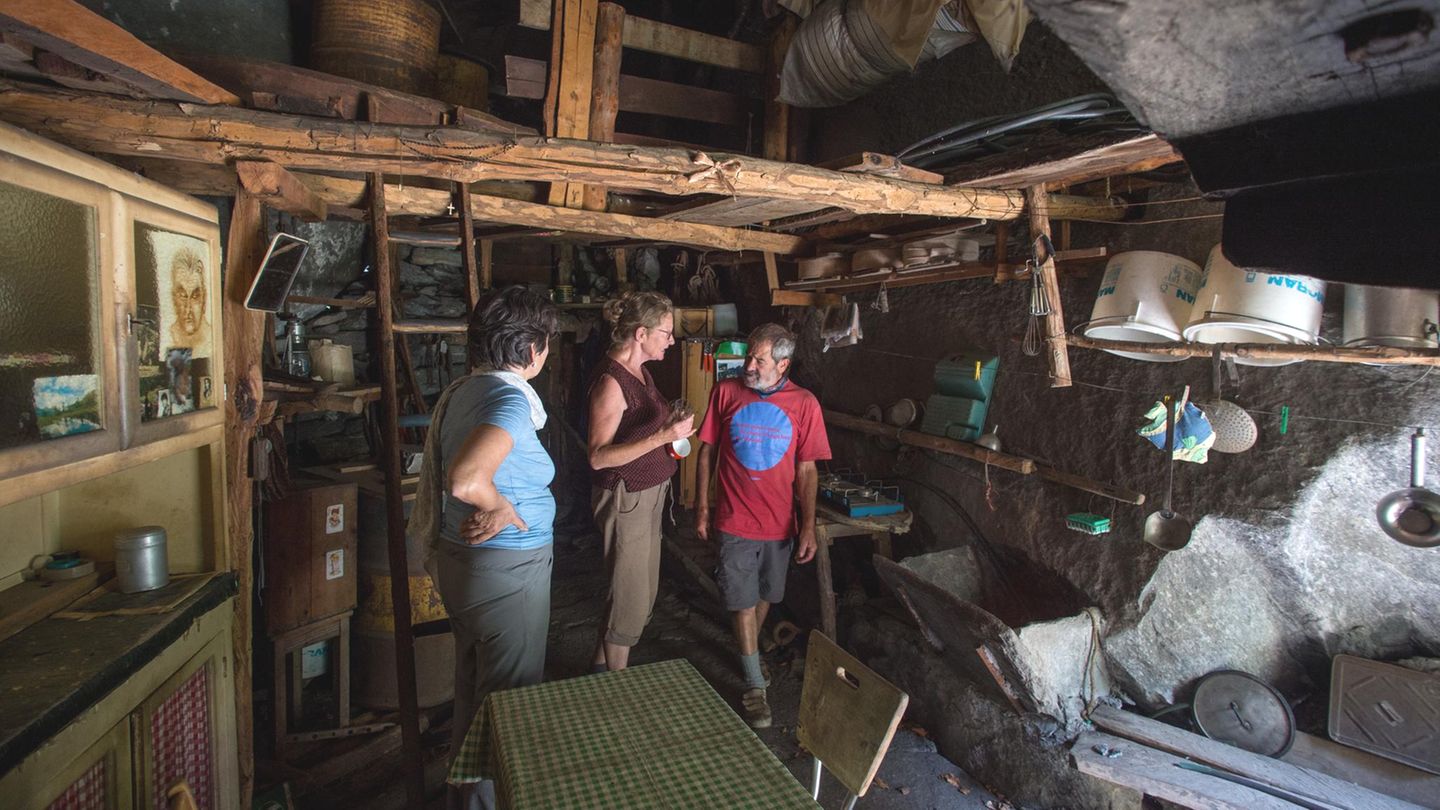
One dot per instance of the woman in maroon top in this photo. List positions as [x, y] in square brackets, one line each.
[631, 428]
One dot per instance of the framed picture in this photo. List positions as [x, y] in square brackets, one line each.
[175, 325]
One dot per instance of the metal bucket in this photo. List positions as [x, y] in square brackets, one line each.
[1145, 296]
[1236, 305]
[1390, 316]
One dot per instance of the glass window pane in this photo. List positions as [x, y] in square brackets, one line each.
[50, 367]
[175, 312]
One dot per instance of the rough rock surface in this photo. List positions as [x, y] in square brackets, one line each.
[1024, 758]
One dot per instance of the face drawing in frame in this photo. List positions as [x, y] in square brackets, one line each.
[182, 286]
[188, 297]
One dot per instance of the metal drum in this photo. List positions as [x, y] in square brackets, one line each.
[1390, 316]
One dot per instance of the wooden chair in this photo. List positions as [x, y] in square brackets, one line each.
[848, 715]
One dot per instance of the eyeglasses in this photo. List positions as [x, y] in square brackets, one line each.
[666, 332]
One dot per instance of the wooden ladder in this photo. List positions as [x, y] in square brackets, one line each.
[392, 324]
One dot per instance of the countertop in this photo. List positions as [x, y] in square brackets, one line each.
[55, 669]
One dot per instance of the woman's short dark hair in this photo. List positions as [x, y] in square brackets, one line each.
[509, 326]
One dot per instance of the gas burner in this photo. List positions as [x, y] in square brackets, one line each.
[857, 496]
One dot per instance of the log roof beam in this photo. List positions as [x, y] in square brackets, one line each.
[86, 39]
[340, 194]
[217, 134]
[281, 190]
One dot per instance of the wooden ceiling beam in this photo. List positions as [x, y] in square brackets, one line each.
[216, 134]
[278, 188]
[339, 194]
[624, 226]
[1127, 157]
[405, 199]
[78, 35]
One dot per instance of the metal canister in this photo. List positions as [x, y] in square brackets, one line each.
[141, 559]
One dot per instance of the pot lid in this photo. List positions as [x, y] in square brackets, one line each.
[1240, 709]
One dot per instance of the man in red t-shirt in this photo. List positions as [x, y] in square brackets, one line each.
[769, 433]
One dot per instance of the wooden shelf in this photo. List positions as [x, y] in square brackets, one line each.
[1016, 464]
[1376, 355]
[20, 487]
[941, 273]
[366, 301]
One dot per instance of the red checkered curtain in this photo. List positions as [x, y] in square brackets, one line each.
[86, 793]
[180, 742]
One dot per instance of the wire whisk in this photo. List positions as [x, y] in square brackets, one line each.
[1039, 308]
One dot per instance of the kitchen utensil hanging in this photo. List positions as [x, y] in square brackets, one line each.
[1167, 529]
[1412, 516]
[1235, 429]
[1039, 300]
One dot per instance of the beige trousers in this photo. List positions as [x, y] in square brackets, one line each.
[630, 524]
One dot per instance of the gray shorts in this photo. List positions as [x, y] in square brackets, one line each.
[752, 570]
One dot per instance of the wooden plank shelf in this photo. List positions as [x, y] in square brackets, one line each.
[424, 239]
[1005, 461]
[431, 326]
[941, 273]
[366, 301]
[1373, 355]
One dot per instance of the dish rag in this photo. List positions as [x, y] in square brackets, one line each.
[1193, 435]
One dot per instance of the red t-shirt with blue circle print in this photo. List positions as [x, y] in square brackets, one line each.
[761, 438]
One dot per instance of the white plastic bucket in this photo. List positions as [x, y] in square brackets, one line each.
[1235, 305]
[1145, 297]
[1390, 316]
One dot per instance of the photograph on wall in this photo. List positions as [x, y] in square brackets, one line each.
[147, 338]
[67, 405]
[180, 381]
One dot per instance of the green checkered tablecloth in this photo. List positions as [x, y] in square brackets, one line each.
[650, 736]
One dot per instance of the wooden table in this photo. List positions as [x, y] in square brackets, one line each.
[654, 735]
[831, 525]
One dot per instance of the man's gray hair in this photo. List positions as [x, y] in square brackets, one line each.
[781, 340]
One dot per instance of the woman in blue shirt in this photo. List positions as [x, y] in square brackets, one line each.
[496, 522]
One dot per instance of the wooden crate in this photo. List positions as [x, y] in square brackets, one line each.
[310, 556]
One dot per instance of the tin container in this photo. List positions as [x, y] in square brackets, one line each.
[141, 559]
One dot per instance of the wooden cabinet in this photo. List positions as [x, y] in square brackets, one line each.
[310, 556]
[111, 416]
[172, 720]
[99, 779]
[109, 321]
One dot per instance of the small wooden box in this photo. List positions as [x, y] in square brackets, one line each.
[310, 556]
[694, 322]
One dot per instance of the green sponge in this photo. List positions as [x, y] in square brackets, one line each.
[1087, 522]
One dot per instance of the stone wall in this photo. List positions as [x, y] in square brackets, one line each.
[1287, 566]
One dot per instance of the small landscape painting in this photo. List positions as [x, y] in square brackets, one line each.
[67, 405]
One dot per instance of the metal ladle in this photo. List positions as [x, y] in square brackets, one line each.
[1412, 516]
[1167, 529]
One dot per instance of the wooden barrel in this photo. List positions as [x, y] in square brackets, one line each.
[390, 43]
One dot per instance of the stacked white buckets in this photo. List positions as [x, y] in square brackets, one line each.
[1144, 297]
[1157, 297]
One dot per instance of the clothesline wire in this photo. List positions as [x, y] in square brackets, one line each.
[1129, 392]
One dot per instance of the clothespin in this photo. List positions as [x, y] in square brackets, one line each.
[1284, 419]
